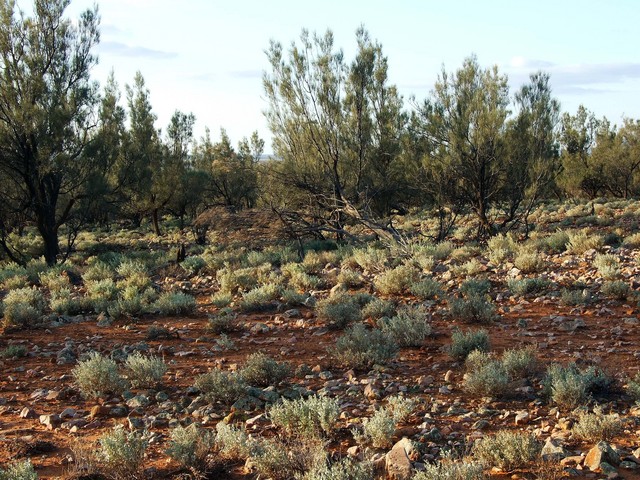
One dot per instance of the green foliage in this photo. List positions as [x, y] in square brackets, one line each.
[123, 453]
[14, 351]
[262, 370]
[400, 407]
[260, 298]
[19, 470]
[379, 308]
[529, 262]
[233, 443]
[190, 446]
[596, 426]
[519, 362]
[345, 469]
[144, 371]
[220, 386]
[506, 450]
[463, 343]
[485, 375]
[408, 328]
[528, 285]
[475, 288]
[574, 297]
[360, 348]
[378, 430]
[397, 280]
[633, 387]
[426, 289]
[569, 387]
[98, 375]
[193, 264]
[174, 303]
[473, 309]
[617, 289]
[448, 470]
[582, 240]
[308, 418]
[338, 310]
[223, 321]
[23, 307]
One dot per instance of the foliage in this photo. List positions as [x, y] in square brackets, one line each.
[19, 470]
[261, 370]
[98, 375]
[23, 307]
[506, 450]
[307, 418]
[220, 386]
[397, 280]
[569, 387]
[190, 447]
[338, 310]
[378, 430]
[122, 453]
[485, 375]
[463, 343]
[345, 469]
[174, 303]
[361, 348]
[596, 426]
[473, 309]
[426, 289]
[144, 371]
[408, 328]
[528, 285]
[449, 470]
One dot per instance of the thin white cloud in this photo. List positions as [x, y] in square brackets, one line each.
[123, 50]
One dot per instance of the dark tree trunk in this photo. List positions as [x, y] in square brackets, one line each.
[156, 223]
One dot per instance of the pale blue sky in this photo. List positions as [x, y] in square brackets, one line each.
[207, 56]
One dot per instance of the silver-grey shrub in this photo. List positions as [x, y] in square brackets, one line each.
[311, 417]
[361, 348]
[221, 386]
[408, 328]
[144, 371]
[98, 375]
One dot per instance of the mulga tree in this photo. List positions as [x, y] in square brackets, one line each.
[47, 107]
[336, 127]
[463, 124]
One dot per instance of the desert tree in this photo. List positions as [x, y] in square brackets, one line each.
[47, 111]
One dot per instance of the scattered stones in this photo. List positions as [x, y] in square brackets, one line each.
[602, 452]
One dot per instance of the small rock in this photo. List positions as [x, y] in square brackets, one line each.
[397, 462]
[425, 381]
[602, 452]
[27, 412]
[552, 450]
[522, 418]
[50, 421]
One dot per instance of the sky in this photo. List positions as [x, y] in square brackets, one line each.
[208, 56]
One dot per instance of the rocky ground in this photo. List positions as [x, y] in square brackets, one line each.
[43, 415]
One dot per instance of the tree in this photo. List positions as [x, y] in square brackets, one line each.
[47, 103]
[336, 128]
[463, 125]
[578, 137]
[532, 164]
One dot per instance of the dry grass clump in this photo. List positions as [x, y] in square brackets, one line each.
[596, 426]
[397, 280]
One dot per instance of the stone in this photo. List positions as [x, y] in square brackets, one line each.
[448, 376]
[355, 452]
[68, 413]
[50, 421]
[522, 418]
[397, 462]
[602, 452]
[480, 424]
[135, 423]
[247, 403]
[98, 411]
[425, 381]
[552, 450]
[66, 356]
[371, 393]
[27, 412]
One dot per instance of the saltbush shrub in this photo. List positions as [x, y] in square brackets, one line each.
[23, 307]
[408, 328]
[338, 311]
[463, 343]
[378, 430]
[174, 303]
[98, 375]
[221, 386]
[473, 309]
[143, 371]
[506, 450]
[396, 280]
[19, 470]
[596, 426]
[123, 453]
[361, 348]
[190, 447]
[312, 417]
[261, 370]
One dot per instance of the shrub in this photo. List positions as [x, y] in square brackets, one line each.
[463, 343]
[338, 311]
[426, 289]
[371, 259]
[97, 272]
[280, 461]
[485, 375]
[378, 430]
[378, 308]
[23, 306]
[350, 278]
[220, 386]
[14, 351]
[174, 303]
[292, 297]
[529, 262]
[223, 321]
[569, 387]
[397, 280]
[193, 265]
[361, 348]
[473, 309]
[632, 241]
[582, 240]
[468, 269]
[345, 469]
[400, 407]
[21, 470]
[233, 443]
[633, 387]
[519, 362]
[506, 450]
[63, 303]
[528, 285]
[144, 371]
[408, 328]
[448, 470]
[260, 298]
[574, 298]
[261, 370]
[221, 299]
[97, 376]
[475, 288]
[596, 426]
[190, 446]
[608, 265]
[54, 280]
[311, 417]
[123, 453]
[557, 242]
[617, 289]
[101, 293]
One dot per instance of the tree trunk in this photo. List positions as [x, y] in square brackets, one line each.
[156, 223]
[49, 234]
